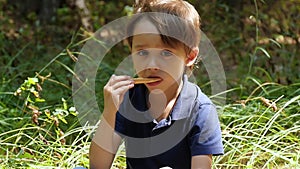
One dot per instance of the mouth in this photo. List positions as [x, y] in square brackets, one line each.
[141, 80]
[155, 83]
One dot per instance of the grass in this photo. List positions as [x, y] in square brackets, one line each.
[38, 153]
[260, 131]
[256, 136]
[256, 133]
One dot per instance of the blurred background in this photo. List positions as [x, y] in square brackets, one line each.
[260, 34]
[258, 42]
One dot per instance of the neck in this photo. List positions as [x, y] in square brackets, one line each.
[161, 102]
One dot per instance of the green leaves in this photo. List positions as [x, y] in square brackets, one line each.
[258, 136]
[32, 81]
[258, 48]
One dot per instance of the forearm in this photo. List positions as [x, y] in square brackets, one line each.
[100, 158]
[105, 135]
[105, 143]
[202, 162]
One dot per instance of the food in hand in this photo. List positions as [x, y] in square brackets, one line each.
[141, 80]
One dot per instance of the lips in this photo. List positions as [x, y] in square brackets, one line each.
[154, 83]
[154, 77]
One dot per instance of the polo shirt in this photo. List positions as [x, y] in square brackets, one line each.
[191, 129]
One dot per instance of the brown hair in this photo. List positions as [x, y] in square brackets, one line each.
[183, 28]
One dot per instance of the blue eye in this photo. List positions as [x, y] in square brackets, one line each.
[142, 53]
[166, 53]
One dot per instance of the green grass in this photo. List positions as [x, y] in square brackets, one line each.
[256, 134]
[39, 153]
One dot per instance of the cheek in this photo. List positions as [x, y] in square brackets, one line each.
[176, 67]
[138, 65]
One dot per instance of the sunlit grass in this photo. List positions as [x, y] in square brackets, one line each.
[261, 131]
[255, 133]
[256, 136]
[41, 153]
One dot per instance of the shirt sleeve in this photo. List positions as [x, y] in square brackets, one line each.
[205, 136]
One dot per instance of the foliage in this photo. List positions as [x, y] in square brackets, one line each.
[257, 33]
[262, 133]
[31, 133]
[256, 41]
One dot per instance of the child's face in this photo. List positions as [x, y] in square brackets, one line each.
[153, 58]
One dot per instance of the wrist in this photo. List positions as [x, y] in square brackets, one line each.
[109, 112]
[109, 115]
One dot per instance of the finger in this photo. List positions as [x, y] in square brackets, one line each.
[123, 89]
[115, 78]
[121, 92]
[110, 80]
[122, 83]
[118, 81]
[115, 88]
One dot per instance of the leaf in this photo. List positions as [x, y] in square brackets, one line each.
[26, 155]
[39, 100]
[62, 119]
[65, 106]
[29, 100]
[263, 50]
[62, 112]
[73, 111]
[48, 114]
[275, 42]
[35, 93]
[33, 81]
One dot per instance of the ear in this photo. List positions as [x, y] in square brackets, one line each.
[192, 56]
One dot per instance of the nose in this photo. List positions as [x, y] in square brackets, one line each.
[152, 63]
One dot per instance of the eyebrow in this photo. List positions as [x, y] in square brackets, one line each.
[138, 46]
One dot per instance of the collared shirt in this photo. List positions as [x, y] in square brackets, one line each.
[191, 129]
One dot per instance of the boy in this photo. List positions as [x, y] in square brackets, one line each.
[168, 122]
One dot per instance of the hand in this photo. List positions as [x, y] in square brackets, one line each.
[114, 92]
